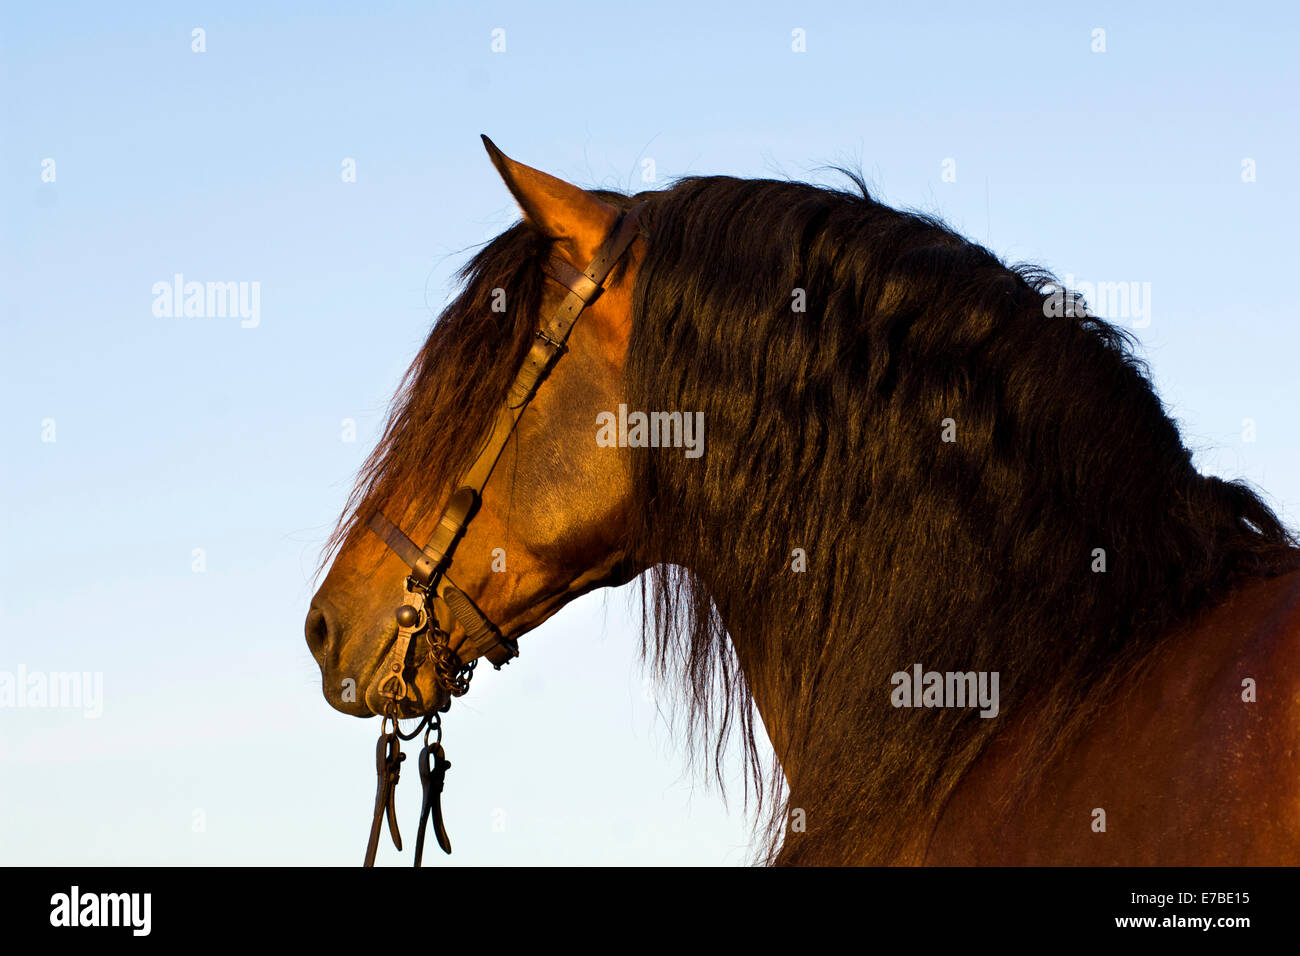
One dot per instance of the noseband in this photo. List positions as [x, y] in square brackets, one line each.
[432, 601]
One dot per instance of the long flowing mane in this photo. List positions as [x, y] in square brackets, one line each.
[824, 434]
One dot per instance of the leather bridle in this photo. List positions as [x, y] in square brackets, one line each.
[432, 602]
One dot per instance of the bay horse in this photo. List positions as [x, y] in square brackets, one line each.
[914, 464]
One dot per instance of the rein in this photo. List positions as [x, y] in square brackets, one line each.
[432, 602]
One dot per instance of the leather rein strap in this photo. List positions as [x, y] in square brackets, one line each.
[429, 565]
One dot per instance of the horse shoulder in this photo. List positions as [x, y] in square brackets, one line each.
[1194, 761]
[1237, 776]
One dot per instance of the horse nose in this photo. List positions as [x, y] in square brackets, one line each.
[319, 633]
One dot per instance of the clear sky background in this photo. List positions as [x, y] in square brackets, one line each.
[172, 434]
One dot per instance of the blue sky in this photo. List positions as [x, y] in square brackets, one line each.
[175, 434]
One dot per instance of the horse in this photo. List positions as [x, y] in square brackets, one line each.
[939, 535]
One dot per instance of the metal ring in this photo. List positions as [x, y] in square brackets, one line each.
[399, 692]
[434, 722]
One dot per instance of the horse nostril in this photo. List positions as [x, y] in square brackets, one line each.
[318, 634]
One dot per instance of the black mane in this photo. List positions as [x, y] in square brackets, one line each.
[824, 433]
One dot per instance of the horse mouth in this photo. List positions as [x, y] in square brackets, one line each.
[420, 691]
[411, 705]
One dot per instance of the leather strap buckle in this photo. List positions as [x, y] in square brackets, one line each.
[559, 346]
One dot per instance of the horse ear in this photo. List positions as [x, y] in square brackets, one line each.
[573, 217]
